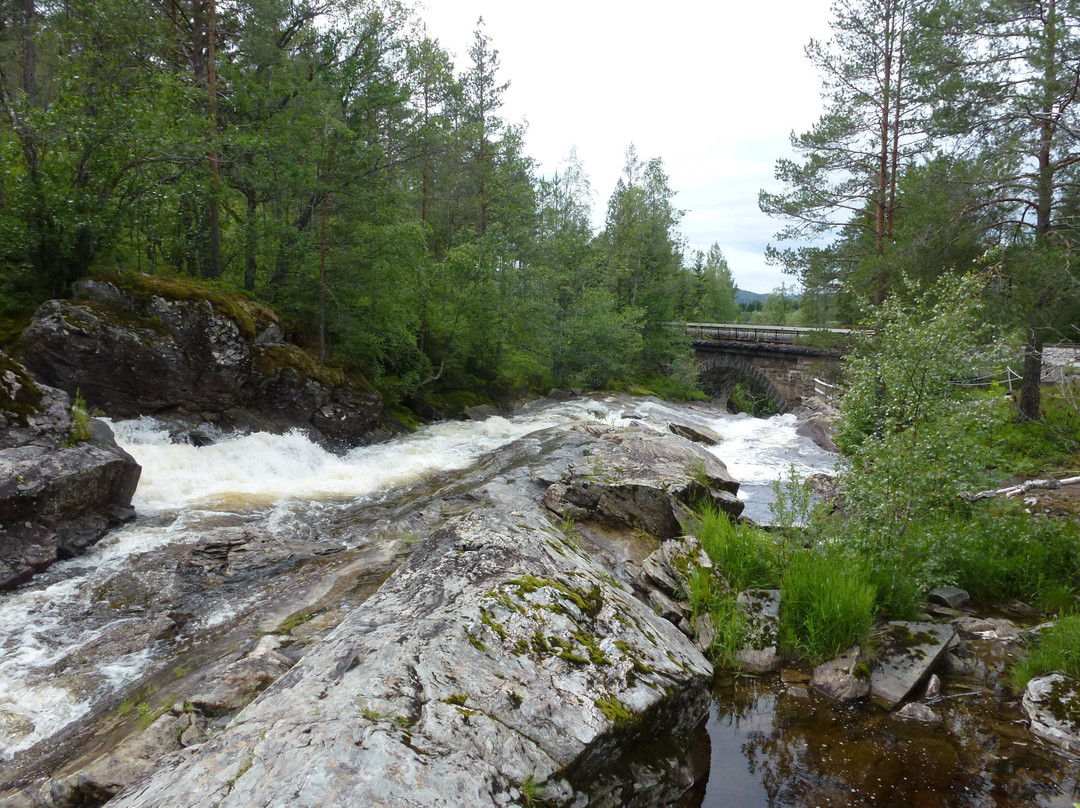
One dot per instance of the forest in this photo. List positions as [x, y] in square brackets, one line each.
[331, 160]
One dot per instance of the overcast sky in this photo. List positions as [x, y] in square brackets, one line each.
[712, 88]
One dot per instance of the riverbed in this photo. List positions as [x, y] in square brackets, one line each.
[234, 537]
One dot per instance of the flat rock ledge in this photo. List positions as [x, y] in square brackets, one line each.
[909, 651]
[499, 653]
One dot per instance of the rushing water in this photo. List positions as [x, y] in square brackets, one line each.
[66, 637]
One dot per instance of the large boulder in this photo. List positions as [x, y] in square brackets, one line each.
[63, 480]
[138, 344]
[493, 657]
[641, 479]
[1052, 703]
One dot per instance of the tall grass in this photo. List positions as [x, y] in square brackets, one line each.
[1056, 650]
[827, 604]
[706, 595]
[744, 555]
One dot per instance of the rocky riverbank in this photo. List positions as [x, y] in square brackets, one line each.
[146, 345]
[516, 649]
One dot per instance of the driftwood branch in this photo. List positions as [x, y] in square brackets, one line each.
[1013, 491]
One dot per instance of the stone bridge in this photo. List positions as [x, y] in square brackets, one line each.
[785, 363]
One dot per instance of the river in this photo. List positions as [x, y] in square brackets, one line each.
[85, 636]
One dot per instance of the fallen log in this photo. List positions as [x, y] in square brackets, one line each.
[1013, 491]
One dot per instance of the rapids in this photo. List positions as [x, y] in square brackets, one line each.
[78, 638]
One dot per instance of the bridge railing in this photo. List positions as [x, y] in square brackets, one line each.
[775, 334]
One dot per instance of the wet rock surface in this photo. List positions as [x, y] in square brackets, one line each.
[62, 485]
[909, 651]
[761, 608]
[845, 678]
[150, 345]
[1052, 704]
[641, 479]
[508, 629]
[496, 653]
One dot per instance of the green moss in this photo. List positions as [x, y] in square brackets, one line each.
[596, 656]
[540, 643]
[456, 401]
[406, 417]
[250, 317]
[619, 715]
[25, 401]
[572, 658]
[515, 699]
[490, 623]
[477, 643]
[457, 699]
[588, 602]
[295, 619]
[270, 359]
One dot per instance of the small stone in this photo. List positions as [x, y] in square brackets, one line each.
[952, 665]
[791, 676]
[798, 692]
[845, 678]
[706, 631]
[952, 596]
[913, 711]
[933, 686]
[759, 660]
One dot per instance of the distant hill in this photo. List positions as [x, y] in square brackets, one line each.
[743, 296]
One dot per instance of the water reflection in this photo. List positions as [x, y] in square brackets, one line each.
[770, 745]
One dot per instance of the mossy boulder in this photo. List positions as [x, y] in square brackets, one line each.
[137, 344]
[63, 484]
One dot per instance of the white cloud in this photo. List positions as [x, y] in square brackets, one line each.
[711, 88]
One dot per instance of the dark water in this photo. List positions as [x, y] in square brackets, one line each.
[769, 744]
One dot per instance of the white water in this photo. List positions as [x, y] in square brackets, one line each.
[182, 485]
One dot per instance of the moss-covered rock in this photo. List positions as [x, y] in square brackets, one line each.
[60, 491]
[19, 396]
[138, 344]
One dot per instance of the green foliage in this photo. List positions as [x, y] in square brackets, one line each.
[747, 397]
[1057, 649]
[532, 792]
[707, 596]
[828, 603]
[999, 552]
[744, 555]
[80, 420]
[910, 440]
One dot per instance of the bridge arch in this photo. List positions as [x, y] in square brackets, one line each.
[720, 372]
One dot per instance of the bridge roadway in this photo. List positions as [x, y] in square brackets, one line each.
[758, 334]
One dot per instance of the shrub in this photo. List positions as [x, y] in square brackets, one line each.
[80, 420]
